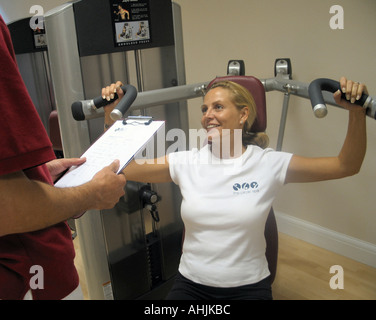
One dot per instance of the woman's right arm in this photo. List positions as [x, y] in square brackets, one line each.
[156, 172]
[108, 93]
[150, 171]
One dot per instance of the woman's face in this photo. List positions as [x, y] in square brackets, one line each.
[219, 113]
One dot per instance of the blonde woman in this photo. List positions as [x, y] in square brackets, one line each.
[226, 200]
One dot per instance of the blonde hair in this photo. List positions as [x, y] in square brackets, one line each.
[241, 97]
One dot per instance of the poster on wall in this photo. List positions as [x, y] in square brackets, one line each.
[39, 34]
[131, 20]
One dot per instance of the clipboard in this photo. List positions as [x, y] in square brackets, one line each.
[122, 141]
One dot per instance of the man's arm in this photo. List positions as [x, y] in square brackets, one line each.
[28, 205]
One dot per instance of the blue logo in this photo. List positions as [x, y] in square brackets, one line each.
[254, 185]
[237, 187]
[246, 187]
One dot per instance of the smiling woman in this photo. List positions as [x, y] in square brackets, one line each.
[226, 202]
[228, 105]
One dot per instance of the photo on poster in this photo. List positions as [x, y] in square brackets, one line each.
[131, 20]
[39, 35]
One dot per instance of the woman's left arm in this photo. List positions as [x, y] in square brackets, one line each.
[350, 159]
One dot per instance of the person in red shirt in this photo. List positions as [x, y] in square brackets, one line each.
[33, 231]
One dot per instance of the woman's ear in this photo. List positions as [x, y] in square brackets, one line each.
[244, 113]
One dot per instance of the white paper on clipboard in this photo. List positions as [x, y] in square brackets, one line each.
[121, 141]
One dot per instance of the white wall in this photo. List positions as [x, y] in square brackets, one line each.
[258, 32]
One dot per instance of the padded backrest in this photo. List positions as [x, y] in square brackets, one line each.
[256, 88]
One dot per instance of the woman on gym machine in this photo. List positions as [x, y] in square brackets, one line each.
[225, 206]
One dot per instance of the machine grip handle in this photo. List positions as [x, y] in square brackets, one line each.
[125, 103]
[99, 102]
[317, 100]
[81, 108]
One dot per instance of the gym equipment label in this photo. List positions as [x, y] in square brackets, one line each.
[131, 19]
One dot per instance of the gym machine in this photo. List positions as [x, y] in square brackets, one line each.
[132, 251]
[127, 252]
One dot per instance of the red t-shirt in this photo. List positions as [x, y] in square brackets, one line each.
[25, 146]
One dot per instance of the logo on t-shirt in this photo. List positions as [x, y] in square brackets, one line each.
[244, 188]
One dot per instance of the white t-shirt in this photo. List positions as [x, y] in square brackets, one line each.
[225, 206]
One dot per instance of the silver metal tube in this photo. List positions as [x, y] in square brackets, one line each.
[168, 95]
[158, 97]
[296, 88]
[67, 79]
[154, 98]
[140, 79]
[300, 89]
[282, 124]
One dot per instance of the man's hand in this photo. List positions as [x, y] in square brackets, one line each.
[108, 186]
[58, 166]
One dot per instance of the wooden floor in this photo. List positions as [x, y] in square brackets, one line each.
[303, 273]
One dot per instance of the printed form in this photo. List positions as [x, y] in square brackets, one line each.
[120, 142]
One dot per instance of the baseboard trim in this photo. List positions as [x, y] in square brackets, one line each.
[340, 243]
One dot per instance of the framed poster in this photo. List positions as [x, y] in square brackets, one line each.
[39, 33]
[131, 21]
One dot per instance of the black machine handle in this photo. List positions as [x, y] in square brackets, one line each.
[81, 108]
[317, 100]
